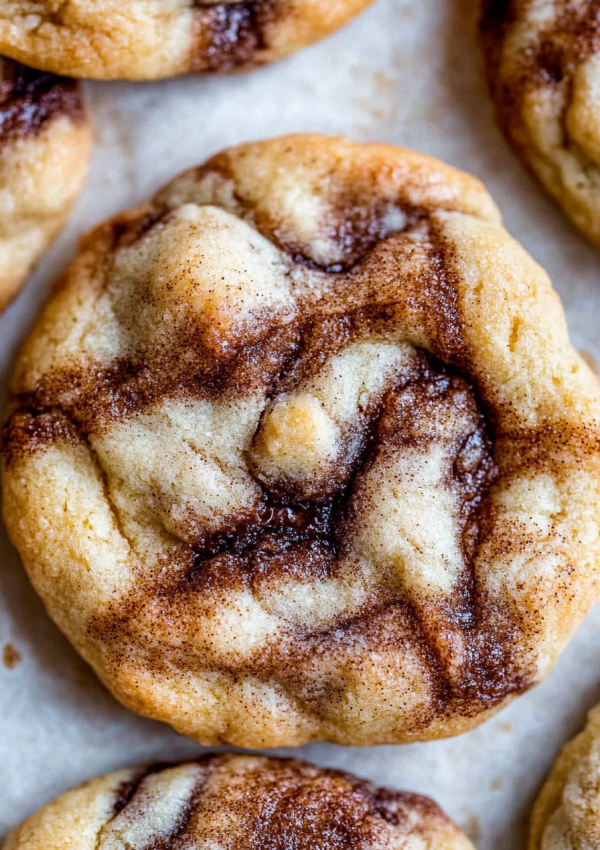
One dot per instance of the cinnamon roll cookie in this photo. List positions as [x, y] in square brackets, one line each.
[566, 815]
[149, 39]
[234, 802]
[300, 450]
[44, 148]
[543, 59]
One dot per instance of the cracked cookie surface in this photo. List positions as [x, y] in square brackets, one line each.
[238, 802]
[44, 150]
[543, 61]
[150, 39]
[566, 815]
[300, 450]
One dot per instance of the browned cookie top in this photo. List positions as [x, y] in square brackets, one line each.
[543, 61]
[239, 803]
[30, 99]
[300, 449]
[44, 148]
[107, 39]
[566, 815]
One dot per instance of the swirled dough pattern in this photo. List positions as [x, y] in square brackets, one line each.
[44, 150]
[566, 815]
[543, 61]
[300, 450]
[234, 802]
[149, 39]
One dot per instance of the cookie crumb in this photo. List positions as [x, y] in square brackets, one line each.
[11, 656]
[472, 828]
[383, 81]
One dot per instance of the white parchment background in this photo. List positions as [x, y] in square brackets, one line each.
[406, 72]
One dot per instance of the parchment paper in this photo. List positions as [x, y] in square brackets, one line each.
[407, 72]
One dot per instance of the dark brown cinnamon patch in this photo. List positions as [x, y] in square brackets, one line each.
[572, 39]
[126, 790]
[31, 429]
[229, 35]
[30, 99]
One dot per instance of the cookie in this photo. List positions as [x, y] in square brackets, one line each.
[44, 150]
[543, 62]
[238, 802]
[150, 39]
[566, 815]
[300, 450]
